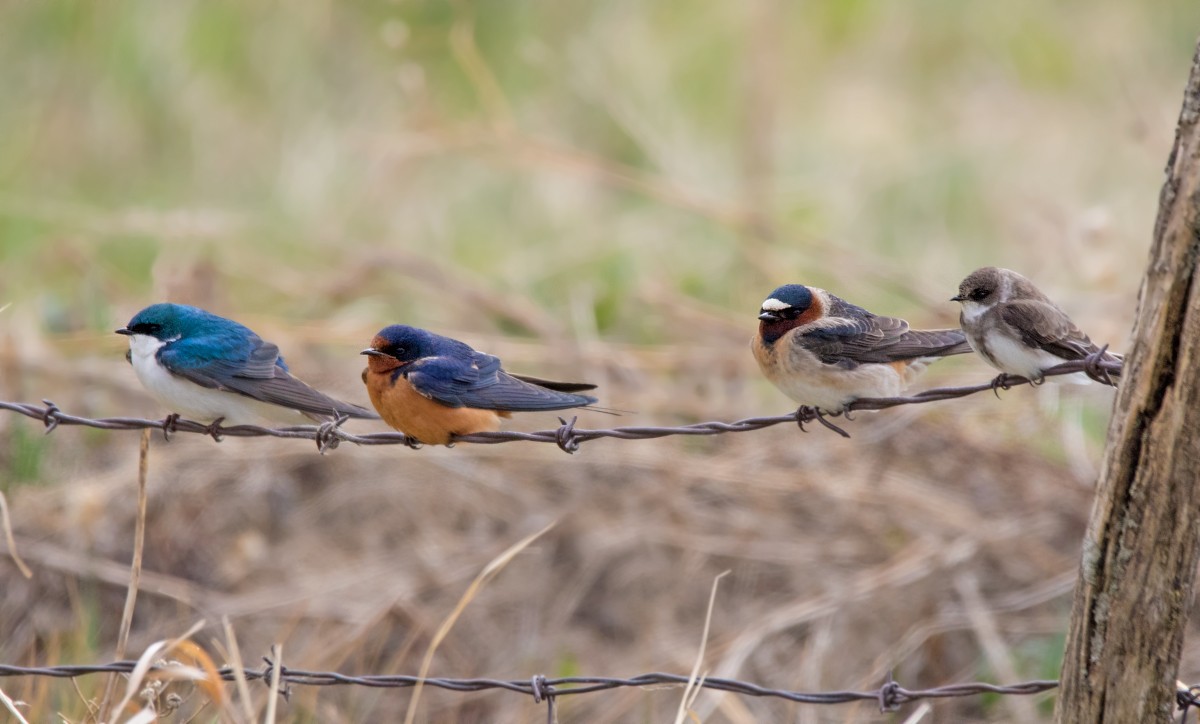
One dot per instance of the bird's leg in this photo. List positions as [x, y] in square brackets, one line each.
[825, 421]
[808, 413]
[412, 442]
[168, 425]
[214, 428]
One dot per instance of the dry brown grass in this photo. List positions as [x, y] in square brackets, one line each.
[921, 545]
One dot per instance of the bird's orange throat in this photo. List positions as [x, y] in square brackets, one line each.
[382, 364]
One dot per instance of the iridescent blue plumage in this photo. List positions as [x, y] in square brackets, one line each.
[205, 366]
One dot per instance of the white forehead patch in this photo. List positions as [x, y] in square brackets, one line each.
[774, 305]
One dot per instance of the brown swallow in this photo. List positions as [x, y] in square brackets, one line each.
[1016, 328]
[825, 352]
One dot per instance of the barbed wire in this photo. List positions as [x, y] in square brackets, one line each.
[890, 696]
[1099, 366]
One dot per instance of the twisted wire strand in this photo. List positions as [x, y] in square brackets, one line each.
[1099, 366]
[889, 696]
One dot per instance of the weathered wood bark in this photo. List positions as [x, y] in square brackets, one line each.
[1141, 548]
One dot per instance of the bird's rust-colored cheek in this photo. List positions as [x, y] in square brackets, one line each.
[815, 311]
[769, 332]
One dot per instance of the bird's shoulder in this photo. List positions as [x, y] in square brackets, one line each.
[845, 328]
[239, 353]
[459, 369]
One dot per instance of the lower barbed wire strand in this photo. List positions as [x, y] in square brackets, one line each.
[564, 686]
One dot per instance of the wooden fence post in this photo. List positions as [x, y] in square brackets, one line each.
[1140, 552]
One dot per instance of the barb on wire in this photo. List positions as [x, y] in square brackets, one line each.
[1186, 697]
[889, 696]
[327, 436]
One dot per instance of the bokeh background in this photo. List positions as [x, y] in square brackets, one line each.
[602, 191]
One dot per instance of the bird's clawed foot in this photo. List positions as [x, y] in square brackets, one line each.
[808, 413]
[168, 425]
[1003, 381]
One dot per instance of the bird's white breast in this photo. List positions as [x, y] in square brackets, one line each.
[193, 401]
[1014, 357]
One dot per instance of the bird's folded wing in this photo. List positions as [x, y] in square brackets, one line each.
[482, 384]
[851, 341]
[1045, 326]
[260, 376]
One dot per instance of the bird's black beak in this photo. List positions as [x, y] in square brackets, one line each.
[769, 316]
[372, 352]
[957, 298]
[123, 330]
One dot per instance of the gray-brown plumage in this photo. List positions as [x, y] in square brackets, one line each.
[825, 352]
[1015, 327]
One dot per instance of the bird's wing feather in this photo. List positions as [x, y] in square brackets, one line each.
[554, 384]
[481, 383]
[255, 370]
[1045, 326]
[868, 338]
[211, 360]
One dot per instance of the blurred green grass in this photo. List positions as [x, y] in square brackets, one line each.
[549, 147]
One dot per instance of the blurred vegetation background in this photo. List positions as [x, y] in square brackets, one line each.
[595, 190]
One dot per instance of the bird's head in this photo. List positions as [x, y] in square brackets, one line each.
[788, 307]
[982, 288]
[167, 322]
[397, 346]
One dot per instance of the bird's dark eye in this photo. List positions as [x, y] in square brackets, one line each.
[398, 350]
[146, 328]
[979, 295]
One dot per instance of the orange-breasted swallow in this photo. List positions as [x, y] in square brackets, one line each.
[431, 387]
[825, 352]
[1016, 328]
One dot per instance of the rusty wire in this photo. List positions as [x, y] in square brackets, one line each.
[1099, 366]
[890, 696]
